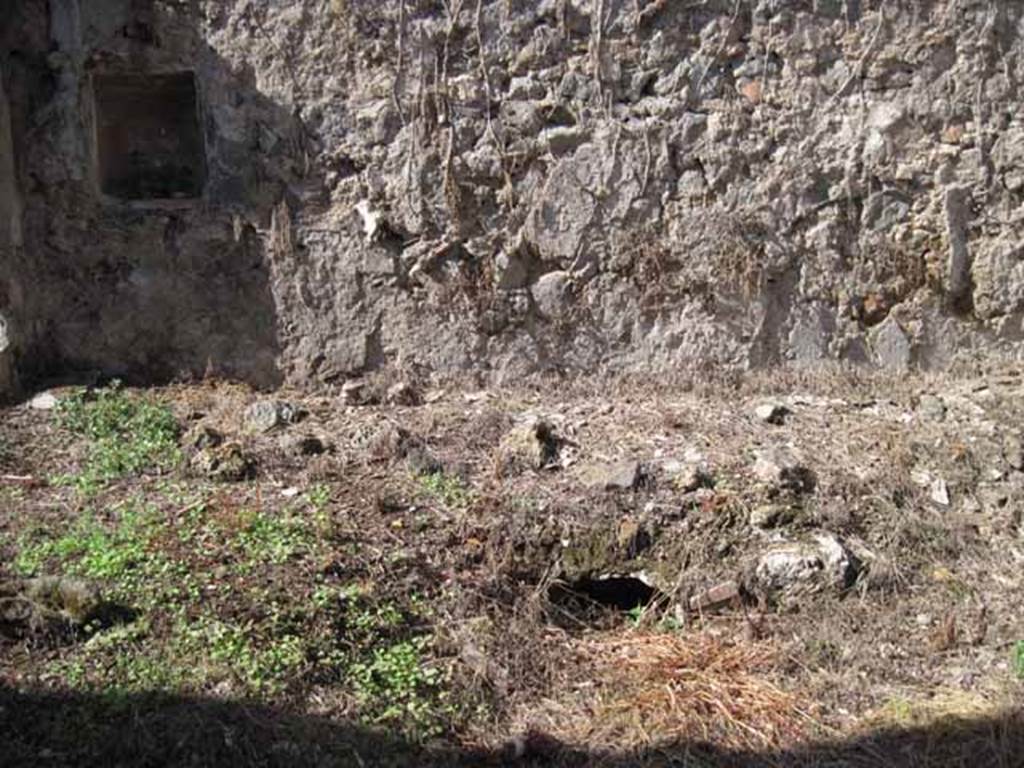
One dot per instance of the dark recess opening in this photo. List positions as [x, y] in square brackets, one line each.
[148, 139]
[622, 593]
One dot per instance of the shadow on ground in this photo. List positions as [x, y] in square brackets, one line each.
[58, 729]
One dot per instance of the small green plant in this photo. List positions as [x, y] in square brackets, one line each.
[385, 660]
[670, 624]
[319, 496]
[31, 553]
[377, 617]
[128, 435]
[1018, 659]
[325, 596]
[259, 667]
[394, 685]
[89, 548]
[449, 490]
[275, 538]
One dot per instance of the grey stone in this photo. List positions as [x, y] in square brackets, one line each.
[510, 273]
[268, 415]
[931, 408]
[551, 292]
[625, 476]
[822, 562]
[563, 140]
[403, 393]
[306, 445]
[781, 569]
[938, 492]
[722, 594]
[530, 445]
[891, 346]
[782, 468]
[1008, 157]
[564, 208]
[771, 413]
[1013, 450]
[771, 515]
[958, 266]
[526, 87]
[223, 463]
[44, 401]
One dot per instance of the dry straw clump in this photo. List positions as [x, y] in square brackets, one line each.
[667, 688]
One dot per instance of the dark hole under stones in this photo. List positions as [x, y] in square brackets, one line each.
[620, 593]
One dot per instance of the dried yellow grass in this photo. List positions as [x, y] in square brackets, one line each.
[651, 689]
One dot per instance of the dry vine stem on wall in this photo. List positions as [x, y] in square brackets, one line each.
[499, 143]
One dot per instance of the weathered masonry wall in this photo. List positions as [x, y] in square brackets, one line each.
[328, 187]
[142, 257]
[10, 240]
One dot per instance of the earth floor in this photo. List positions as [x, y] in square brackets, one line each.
[784, 570]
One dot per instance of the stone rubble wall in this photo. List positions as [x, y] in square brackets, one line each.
[10, 241]
[513, 186]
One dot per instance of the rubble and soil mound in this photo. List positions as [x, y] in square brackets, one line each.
[567, 573]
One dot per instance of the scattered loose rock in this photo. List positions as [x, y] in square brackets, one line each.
[268, 415]
[725, 593]
[44, 401]
[550, 293]
[46, 603]
[200, 437]
[403, 393]
[938, 489]
[782, 468]
[938, 492]
[625, 476]
[225, 463]
[306, 445]
[822, 562]
[354, 392]
[688, 476]
[931, 408]
[771, 515]
[772, 413]
[530, 445]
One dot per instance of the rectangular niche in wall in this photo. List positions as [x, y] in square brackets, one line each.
[149, 145]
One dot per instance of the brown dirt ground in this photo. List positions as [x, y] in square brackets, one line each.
[912, 665]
